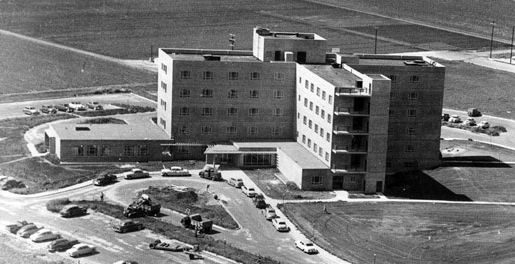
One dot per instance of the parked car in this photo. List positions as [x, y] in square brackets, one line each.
[484, 124]
[94, 106]
[73, 210]
[44, 235]
[77, 106]
[445, 117]
[455, 119]
[137, 174]
[270, 213]
[306, 246]
[249, 191]
[125, 262]
[63, 108]
[30, 229]
[80, 249]
[473, 112]
[280, 225]
[124, 226]
[175, 171]
[48, 109]
[15, 227]
[236, 182]
[470, 121]
[105, 179]
[61, 244]
[30, 110]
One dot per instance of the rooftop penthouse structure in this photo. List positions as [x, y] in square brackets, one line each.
[356, 117]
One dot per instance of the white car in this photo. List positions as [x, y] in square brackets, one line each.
[484, 124]
[455, 119]
[80, 249]
[270, 213]
[30, 110]
[280, 225]
[306, 246]
[249, 191]
[137, 174]
[175, 171]
[236, 182]
[77, 106]
[44, 235]
[470, 121]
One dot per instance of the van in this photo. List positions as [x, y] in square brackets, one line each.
[236, 182]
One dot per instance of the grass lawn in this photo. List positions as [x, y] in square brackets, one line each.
[197, 202]
[172, 231]
[409, 232]
[266, 180]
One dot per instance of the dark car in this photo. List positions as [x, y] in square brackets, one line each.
[15, 227]
[61, 244]
[105, 179]
[63, 108]
[48, 109]
[127, 226]
[73, 210]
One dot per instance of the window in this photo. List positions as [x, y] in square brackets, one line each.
[252, 131]
[327, 156]
[255, 76]
[414, 78]
[207, 75]
[329, 119]
[300, 79]
[304, 139]
[254, 94]
[311, 106]
[409, 148]
[306, 84]
[323, 95]
[142, 150]
[393, 78]
[278, 76]
[91, 150]
[231, 130]
[322, 132]
[185, 75]
[105, 150]
[413, 96]
[128, 150]
[164, 67]
[328, 137]
[232, 94]
[278, 94]
[206, 130]
[316, 128]
[412, 112]
[305, 120]
[233, 76]
[411, 131]
[162, 122]
[316, 180]
[312, 88]
[298, 115]
[309, 143]
[184, 111]
[184, 130]
[318, 91]
[315, 147]
[257, 159]
[163, 104]
[359, 84]
[330, 99]
[253, 111]
[207, 111]
[317, 109]
[163, 86]
[322, 114]
[185, 93]
[278, 112]
[299, 98]
[206, 93]
[232, 111]
[276, 131]
[320, 151]
[310, 124]
[305, 102]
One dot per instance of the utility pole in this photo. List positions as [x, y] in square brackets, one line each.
[375, 40]
[511, 47]
[232, 41]
[492, 38]
[151, 55]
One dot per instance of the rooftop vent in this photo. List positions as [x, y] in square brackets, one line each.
[415, 62]
[82, 129]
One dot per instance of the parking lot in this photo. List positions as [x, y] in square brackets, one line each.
[11, 110]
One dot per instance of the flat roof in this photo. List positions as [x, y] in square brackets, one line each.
[206, 57]
[73, 131]
[338, 77]
[395, 60]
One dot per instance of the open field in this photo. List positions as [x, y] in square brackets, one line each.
[409, 232]
[28, 66]
[467, 15]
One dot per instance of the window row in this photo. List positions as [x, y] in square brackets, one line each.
[232, 75]
[316, 148]
[104, 150]
[231, 111]
[209, 93]
[412, 78]
[318, 129]
[251, 131]
[318, 91]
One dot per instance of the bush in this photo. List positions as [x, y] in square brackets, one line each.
[292, 186]
[499, 129]
[57, 204]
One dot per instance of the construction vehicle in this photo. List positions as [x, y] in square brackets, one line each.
[141, 207]
[211, 172]
[195, 221]
[259, 201]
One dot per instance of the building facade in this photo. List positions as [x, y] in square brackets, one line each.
[359, 116]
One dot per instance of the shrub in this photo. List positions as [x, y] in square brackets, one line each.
[292, 186]
[57, 204]
[499, 129]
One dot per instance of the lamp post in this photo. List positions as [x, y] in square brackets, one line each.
[511, 47]
[375, 40]
[492, 38]
[375, 255]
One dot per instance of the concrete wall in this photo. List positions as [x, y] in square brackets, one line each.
[167, 78]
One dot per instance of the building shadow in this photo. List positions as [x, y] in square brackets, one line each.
[473, 161]
[419, 185]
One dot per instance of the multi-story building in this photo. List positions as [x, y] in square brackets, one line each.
[358, 116]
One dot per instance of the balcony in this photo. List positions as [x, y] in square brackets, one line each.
[349, 169]
[352, 91]
[344, 130]
[349, 149]
[349, 111]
